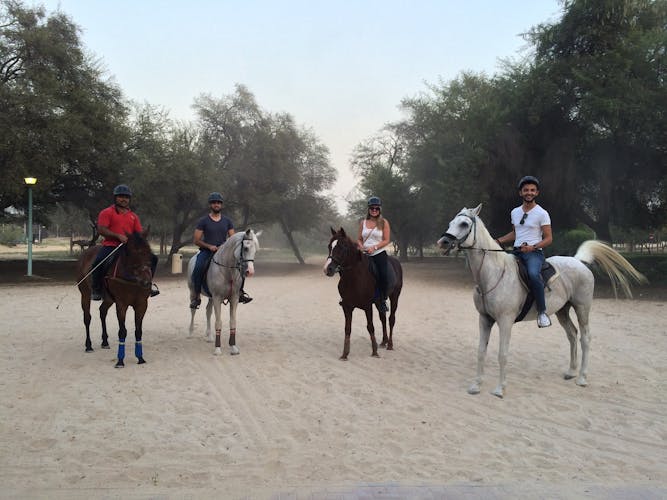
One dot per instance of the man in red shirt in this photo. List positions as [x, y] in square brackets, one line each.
[115, 223]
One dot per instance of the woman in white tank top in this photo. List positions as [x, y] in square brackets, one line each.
[374, 236]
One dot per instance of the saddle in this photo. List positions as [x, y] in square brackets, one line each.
[548, 273]
[391, 276]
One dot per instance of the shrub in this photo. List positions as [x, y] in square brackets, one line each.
[10, 235]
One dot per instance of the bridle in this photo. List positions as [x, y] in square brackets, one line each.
[339, 265]
[476, 275]
[241, 263]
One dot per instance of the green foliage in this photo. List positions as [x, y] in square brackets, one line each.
[10, 235]
[567, 242]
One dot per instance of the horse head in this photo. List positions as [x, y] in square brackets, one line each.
[460, 230]
[341, 251]
[136, 260]
[247, 250]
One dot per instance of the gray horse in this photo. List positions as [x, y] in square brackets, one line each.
[229, 265]
[500, 292]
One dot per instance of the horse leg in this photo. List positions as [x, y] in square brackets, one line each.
[121, 311]
[232, 327]
[485, 324]
[564, 319]
[191, 329]
[139, 313]
[217, 303]
[85, 306]
[582, 318]
[209, 312]
[505, 327]
[347, 310]
[383, 320]
[392, 322]
[371, 329]
[104, 308]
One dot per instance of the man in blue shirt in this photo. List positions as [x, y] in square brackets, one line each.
[211, 232]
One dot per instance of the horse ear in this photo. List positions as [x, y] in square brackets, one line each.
[247, 232]
[333, 231]
[342, 232]
[259, 233]
[477, 210]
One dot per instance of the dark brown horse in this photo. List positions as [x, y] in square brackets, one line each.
[127, 282]
[357, 287]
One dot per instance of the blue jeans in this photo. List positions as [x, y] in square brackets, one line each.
[203, 257]
[533, 262]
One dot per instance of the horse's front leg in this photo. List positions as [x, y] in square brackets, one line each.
[371, 329]
[139, 312]
[392, 322]
[233, 304]
[217, 305]
[347, 310]
[104, 308]
[121, 311]
[485, 324]
[505, 327]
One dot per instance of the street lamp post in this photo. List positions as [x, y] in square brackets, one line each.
[30, 182]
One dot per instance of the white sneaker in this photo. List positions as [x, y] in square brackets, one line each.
[543, 320]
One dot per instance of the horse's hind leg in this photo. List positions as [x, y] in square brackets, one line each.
[564, 319]
[385, 338]
[585, 333]
[233, 349]
[392, 322]
[209, 311]
[104, 308]
[371, 330]
[85, 306]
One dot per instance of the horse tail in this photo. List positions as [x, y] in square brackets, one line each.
[619, 270]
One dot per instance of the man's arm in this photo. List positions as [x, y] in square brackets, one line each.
[197, 240]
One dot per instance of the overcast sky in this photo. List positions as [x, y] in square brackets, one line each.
[339, 68]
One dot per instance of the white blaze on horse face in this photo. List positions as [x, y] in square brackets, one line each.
[328, 261]
[251, 269]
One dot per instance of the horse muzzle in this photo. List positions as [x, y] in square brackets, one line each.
[447, 242]
[330, 267]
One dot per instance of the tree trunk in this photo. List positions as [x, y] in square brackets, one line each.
[290, 239]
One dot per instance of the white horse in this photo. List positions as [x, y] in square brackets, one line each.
[232, 261]
[500, 292]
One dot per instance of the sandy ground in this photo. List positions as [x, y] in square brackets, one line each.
[287, 419]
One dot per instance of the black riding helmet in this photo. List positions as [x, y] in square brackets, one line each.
[374, 200]
[528, 179]
[122, 190]
[215, 196]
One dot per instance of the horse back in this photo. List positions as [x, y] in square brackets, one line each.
[86, 260]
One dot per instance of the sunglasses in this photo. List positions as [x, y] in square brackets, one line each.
[373, 208]
[523, 219]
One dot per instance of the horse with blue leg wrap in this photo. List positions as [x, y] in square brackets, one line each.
[127, 283]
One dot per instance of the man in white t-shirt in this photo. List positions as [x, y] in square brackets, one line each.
[531, 233]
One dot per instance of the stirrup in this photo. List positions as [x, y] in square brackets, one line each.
[154, 290]
[194, 304]
[244, 298]
[96, 295]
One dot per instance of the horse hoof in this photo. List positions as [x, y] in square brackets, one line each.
[90, 349]
[141, 361]
[343, 358]
[390, 347]
[498, 392]
[568, 376]
[217, 351]
[120, 364]
[105, 346]
[233, 350]
[581, 382]
[375, 355]
[473, 389]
